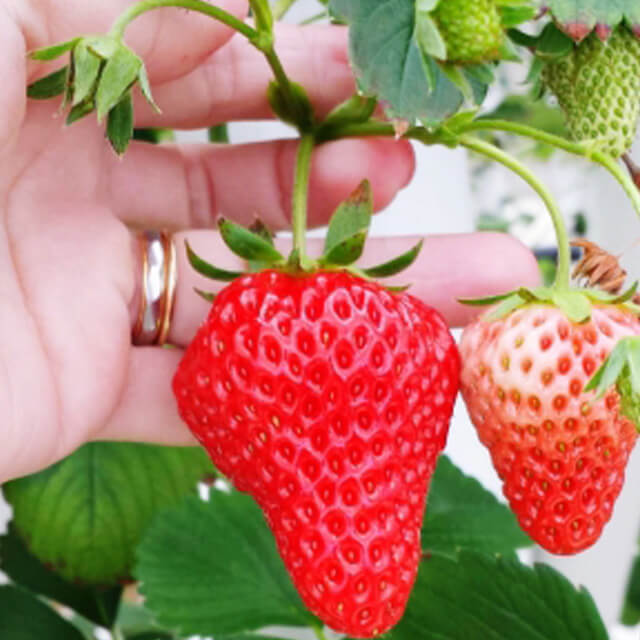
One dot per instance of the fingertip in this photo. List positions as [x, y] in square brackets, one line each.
[339, 167]
[517, 265]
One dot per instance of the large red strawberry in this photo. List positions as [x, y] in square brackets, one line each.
[560, 450]
[327, 397]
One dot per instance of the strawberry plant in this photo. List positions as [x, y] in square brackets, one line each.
[323, 395]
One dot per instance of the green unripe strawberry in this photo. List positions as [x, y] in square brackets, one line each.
[598, 87]
[471, 29]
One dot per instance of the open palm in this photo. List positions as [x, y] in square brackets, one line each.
[68, 266]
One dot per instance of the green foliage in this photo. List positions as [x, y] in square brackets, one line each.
[223, 574]
[84, 516]
[410, 82]
[24, 617]
[23, 568]
[462, 514]
[479, 597]
[631, 609]
[579, 17]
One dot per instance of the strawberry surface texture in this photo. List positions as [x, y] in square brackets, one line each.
[598, 87]
[560, 452]
[328, 399]
[471, 29]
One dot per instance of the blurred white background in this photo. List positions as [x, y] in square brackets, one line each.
[440, 200]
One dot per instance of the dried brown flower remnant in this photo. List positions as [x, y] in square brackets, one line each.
[600, 269]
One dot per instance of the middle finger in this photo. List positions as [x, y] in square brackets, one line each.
[232, 83]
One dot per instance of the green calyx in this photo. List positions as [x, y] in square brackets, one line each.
[621, 368]
[344, 245]
[575, 303]
[100, 76]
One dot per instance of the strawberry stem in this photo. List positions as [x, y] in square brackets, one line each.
[300, 199]
[564, 256]
[126, 18]
[579, 149]
[261, 38]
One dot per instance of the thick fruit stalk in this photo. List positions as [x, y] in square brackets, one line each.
[598, 87]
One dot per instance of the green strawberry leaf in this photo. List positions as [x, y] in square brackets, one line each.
[151, 635]
[480, 597]
[50, 86]
[462, 514]
[86, 71]
[223, 575]
[396, 265]
[208, 270]
[489, 300]
[24, 617]
[579, 17]
[349, 227]
[631, 609]
[24, 569]
[54, 51]
[410, 83]
[248, 245]
[120, 72]
[120, 124]
[85, 515]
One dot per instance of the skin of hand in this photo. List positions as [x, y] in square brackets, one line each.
[68, 270]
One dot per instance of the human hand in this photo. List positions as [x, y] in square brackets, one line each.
[69, 274]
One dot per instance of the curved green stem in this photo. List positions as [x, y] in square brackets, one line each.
[300, 198]
[564, 255]
[576, 148]
[125, 19]
[261, 38]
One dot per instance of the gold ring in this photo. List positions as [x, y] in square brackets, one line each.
[157, 289]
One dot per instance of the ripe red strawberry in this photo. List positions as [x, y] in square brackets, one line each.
[560, 452]
[328, 399]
